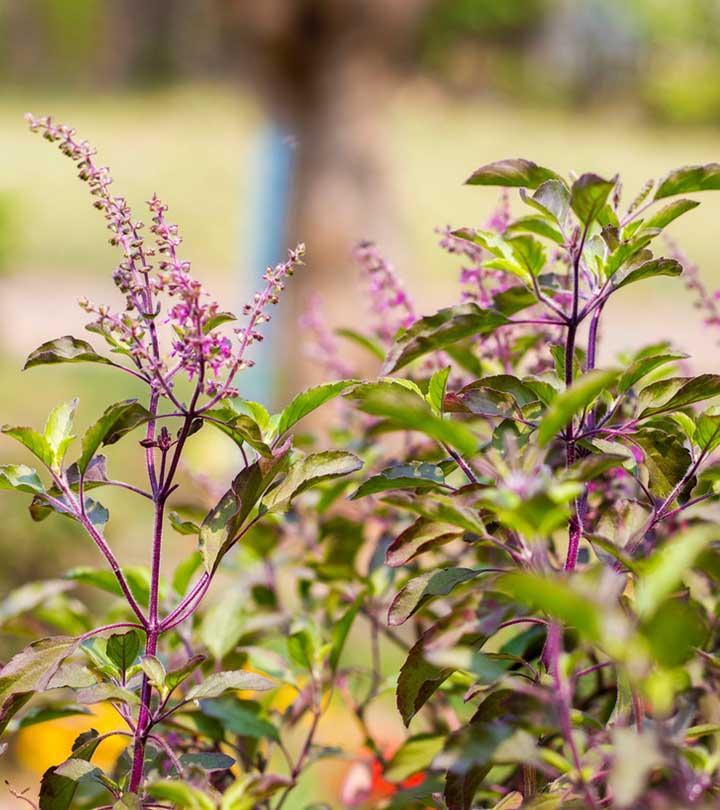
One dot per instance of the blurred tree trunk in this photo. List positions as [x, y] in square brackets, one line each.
[325, 69]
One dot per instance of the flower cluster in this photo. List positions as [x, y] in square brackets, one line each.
[322, 345]
[195, 346]
[704, 300]
[389, 302]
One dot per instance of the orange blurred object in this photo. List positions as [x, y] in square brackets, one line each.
[46, 744]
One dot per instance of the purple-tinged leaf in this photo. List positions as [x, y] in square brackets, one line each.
[424, 588]
[512, 172]
[65, 349]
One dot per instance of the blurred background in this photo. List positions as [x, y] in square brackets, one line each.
[326, 121]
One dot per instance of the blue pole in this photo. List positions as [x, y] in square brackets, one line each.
[266, 245]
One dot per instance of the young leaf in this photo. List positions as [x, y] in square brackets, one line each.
[310, 400]
[64, 350]
[101, 692]
[510, 173]
[573, 400]
[116, 421]
[58, 431]
[123, 649]
[436, 389]
[35, 442]
[240, 427]
[20, 478]
[588, 196]
[552, 198]
[154, 668]
[687, 179]
[220, 682]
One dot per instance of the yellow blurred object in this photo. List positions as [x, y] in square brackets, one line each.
[38, 747]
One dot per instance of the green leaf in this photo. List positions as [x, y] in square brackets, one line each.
[513, 172]
[32, 669]
[241, 718]
[130, 801]
[155, 670]
[668, 213]
[687, 179]
[588, 196]
[58, 431]
[435, 332]
[414, 474]
[123, 649]
[572, 401]
[551, 198]
[413, 756]
[341, 630]
[436, 389]
[207, 761]
[373, 346]
[418, 681]
[223, 523]
[310, 400]
[48, 713]
[537, 225]
[307, 472]
[100, 692]
[20, 478]
[184, 572]
[64, 350]
[177, 676]
[407, 411]
[181, 794]
[651, 269]
[35, 442]
[678, 392]
[664, 570]
[422, 589]
[117, 420]
[218, 320]
[528, 253]
[56, 791]
[643, 366]
[220, 682]
[240, 427]
[666, 458]
[707, 430]
[185, 527]
[423, 535]
[557, 599]
[137, 576]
